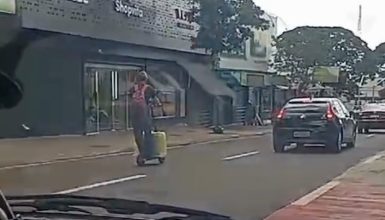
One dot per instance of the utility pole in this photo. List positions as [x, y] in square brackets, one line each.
[359, 24]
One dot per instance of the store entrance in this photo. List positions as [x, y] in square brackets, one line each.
[106, 97]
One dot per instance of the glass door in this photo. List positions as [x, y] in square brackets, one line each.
[120, 106]
[91, 101]
[104, 80]
[97, 100]
[107, 97]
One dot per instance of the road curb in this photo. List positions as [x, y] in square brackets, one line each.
[131, 151]
[363, 162]
[318, 192]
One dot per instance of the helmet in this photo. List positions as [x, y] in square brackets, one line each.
[142, 76]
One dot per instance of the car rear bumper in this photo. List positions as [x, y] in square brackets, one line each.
[317, 136]
[371, 124]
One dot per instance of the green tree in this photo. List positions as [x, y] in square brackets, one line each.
[225, 25]
[380, 49]
[380, 55]
[300, 49]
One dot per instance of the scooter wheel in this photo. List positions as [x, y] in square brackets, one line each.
[140, 161]
[161, 160]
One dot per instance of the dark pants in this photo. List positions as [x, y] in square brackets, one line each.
[143, 136]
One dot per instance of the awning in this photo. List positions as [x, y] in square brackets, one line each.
[202, 74]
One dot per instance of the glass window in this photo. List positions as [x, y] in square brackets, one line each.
[241, 53]
[257, 49]
[167, 78]
[266, 99]
[307, 108]
[169, 103]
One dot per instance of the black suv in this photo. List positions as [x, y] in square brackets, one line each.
[314, 121]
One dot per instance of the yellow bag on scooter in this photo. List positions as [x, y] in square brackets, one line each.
[160, 140]
[135, 147]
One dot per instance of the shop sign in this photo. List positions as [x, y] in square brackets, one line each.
[128, 9]
[184, 19]
[79, 1]
[183, 15]
[8, 6]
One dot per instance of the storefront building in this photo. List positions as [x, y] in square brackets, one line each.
[82, 59]
[247, 72]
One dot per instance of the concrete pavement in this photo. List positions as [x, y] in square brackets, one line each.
[16, 152]
[248, 187]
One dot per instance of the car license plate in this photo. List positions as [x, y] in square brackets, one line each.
[301, 134]
[374, 116]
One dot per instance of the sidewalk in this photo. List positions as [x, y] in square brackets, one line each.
[357, 194]
[36, 150]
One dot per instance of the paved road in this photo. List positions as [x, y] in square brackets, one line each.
[208, 177]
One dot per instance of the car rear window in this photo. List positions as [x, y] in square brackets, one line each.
[307, 108]
[307, 102]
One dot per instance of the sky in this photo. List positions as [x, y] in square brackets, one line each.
[330, 13]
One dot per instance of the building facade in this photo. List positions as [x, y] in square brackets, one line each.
[247, 72]
[82, 57]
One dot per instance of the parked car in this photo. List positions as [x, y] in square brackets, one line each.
[371, 116]
[323, 121]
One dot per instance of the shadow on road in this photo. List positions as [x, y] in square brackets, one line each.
[312, 150]
[382, 132]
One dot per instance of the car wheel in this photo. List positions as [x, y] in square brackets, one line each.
[360, 130]
[366, 130]
[279, 147]
[335, 146]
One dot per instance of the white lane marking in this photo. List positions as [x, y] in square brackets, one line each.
[369, 135]
[96, 185]
[315, 194]
[241, 155]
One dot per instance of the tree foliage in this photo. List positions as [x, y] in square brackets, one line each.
[225, 25]
[380, 54]
[302, 48]
[380, 49]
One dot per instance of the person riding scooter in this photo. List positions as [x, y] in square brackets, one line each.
[142, 93]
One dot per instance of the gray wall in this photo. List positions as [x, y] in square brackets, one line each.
[52, 103]
[158, 27]
[51, 71]
[9, 25]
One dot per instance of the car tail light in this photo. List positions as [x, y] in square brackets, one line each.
[330, 115]
[281, 114]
